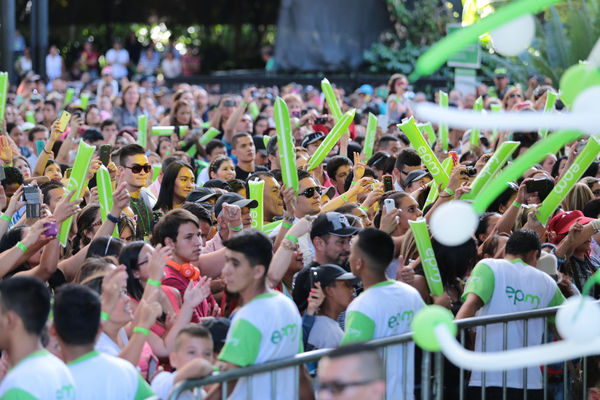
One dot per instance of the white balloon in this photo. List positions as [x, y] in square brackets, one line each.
[453, 223]
[515, 36]
[588, 101]
[579, 319]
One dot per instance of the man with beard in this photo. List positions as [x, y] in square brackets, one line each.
[330, 234]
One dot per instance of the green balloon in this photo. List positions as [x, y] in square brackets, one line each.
[424, 323]
[576, 79]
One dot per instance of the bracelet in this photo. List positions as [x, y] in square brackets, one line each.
[143, 331]
[47, 152]
[113, 219]
[353, 183]
[244, 104]
[343, 196]
[236, 228]
[5, 217]
[286, 225]
[517, 204]
[104, 316]
[449, 191]
[291, 238]
[365, 209]
[153, 282]
[22, 247]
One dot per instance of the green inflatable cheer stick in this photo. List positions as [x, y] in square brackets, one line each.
[156, 171]
[210, 134]
[77, 181]
[3, 92]
[496, 108]
[551, 98]
[30, 117]
[370, 137]
[535, 154]
[105, 194]
[417, 141]
[571, 176]
[257, 188]
[85, 98]
[332, 102]
[443, 129]
[491, 168]
[270, 227]
[142, 133]
[331, 139]
[266, 140]
[287, 153]
[168, 130]
[434, 191]
[428, 261]
[474, 139]
[440, 52]
[427, 129]
[68, 97]
[254, 111]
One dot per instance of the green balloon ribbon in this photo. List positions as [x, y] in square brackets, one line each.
[287, 153]
[417, 141]
[474, 138]
[551, 98]
[535, 154]
[496, 108]
[440, 52]
[30, 117]
[434, 191]
[3, 93]
[105, 194]
[256, 189]
[442, 128]
[571, 176]
[77, 181]
[427, 129]
[210, 134]
[331, 139]
[370, 137]
[428, 261]
[491, 168]
[168, 130]
[85, 98]
[332, 102]
[142, 132]
[68, 97]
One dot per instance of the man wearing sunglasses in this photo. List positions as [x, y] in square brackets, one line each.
[134, 169]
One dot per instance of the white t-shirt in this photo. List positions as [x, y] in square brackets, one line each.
[99, 376]
[40, 375]
[268, 328]
[506, 287]
[118, 61]
[53, 66]
[325, 333]
[386, 309]
[106, 345]
[163, 383]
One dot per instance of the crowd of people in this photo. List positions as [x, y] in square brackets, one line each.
[174, 283]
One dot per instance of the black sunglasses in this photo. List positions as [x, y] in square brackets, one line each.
[513, 95]
[310, 192]
[136, 168]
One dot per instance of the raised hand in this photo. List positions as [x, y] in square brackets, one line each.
[120, 199]
[6, 150]
[359, 167]
[289, 199]
[65, 208]
[196, 293]
[315, 299]
[158, 260]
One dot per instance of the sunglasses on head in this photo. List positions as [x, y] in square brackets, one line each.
[136, 168]
[310, 192]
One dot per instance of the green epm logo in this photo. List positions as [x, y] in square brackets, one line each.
[518, 296]
[290, 330]
[396, 319]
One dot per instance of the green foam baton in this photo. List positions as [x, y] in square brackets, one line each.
[535, 154]
[142, 133]
[210, 134]
[442, 128]
[331, 139]
[3, 92]
[474, 138]
[420, 145]
[571, 176]
[68, 97]
[254, 111]
[105, 194]
[287, 153]
[440, 52]
[496, 108]
[491, 168]
[370, 137]
[266, 140]
[257, 188]
[77, 181]
[427, 129]
[30, 117]
[332, 102]
[434, 191]
[270, 227]
[551, 98]
[428, 261]
[85, 98]
[168, 130]
[156, 171]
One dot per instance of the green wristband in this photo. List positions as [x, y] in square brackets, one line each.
[5, 217]
[104, 316]
[22, 247]
[449, 191]
[244, 104]
[237, 228]
[143, 331]
[365, 209]
[353, 183]
[517, 204]
[153, 282]
[343, 196]
[291, 238]
[286, 225]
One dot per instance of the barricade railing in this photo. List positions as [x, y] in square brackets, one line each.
[431, 382]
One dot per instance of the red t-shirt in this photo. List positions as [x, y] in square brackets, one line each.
[176, 280]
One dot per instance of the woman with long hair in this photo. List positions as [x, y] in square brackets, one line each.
[178, 182]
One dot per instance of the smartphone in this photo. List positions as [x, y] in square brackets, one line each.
[390, 205]
[68, 173]
[65, 117]
[388, 184]
[105, 154]
[33, 206]
[313, 277]
[320, 121]
[541, 185]
[39, 146]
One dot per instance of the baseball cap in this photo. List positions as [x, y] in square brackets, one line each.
[311, 138]
[218, 328]
[324, 274]
[327, 273]
[332, 223]
[561, 222]
[500, 72]
[366, 89]
[200, 195]
[415, 176]
[234, 199]
[259, 144]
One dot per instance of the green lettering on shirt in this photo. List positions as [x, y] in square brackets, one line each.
[242, 345]
[518, 296]
[359, 328]
[290, 330]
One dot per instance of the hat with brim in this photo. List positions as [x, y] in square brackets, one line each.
[201, 195]
[415, 175]
[234, 199]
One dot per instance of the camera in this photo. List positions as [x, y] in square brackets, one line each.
[320, 121]
[471, 171]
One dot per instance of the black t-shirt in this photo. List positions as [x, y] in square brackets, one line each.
[243, 175]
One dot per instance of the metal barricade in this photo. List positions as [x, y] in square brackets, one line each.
[432, 379]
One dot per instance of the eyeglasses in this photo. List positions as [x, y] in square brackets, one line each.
[596, 193]
[136, 168]
[310, 192]
[336, 387]
[513, 95]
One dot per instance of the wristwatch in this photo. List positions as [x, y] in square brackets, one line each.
[289, 220]
[113, 219]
